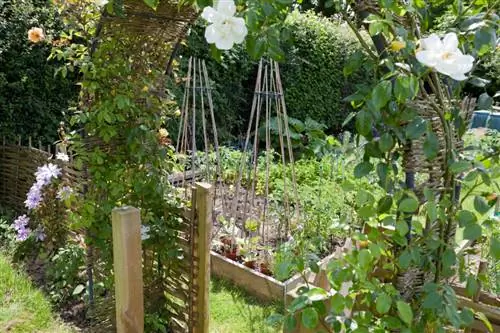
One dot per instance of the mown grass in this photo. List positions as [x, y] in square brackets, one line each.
[23, 308]
[233, 311]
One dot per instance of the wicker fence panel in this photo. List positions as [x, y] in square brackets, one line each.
[17, 167]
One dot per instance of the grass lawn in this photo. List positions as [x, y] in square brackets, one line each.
[232, 311]
[23, 308]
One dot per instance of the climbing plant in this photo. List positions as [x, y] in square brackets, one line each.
[399, 276]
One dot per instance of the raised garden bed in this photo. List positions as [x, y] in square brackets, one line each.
[255, 283]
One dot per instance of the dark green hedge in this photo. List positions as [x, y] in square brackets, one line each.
[32, 100]
[312, 74]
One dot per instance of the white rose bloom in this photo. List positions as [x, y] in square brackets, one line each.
[101, 3]
[445, 56]
[225, 29]
[62, 157]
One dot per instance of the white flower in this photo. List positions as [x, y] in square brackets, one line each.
[225, 30]
[64, 193]
[445, 56]
[62, 157]
[101, 3]
[144, 232]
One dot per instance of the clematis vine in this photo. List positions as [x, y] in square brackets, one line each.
[21, 227]
[45, 173]
[445, 56]
[225, 29]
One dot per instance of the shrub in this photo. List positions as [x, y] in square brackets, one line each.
[313, 76]
[32, 99]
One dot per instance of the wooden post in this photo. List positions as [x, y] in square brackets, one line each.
[204, 213]
[127, 257]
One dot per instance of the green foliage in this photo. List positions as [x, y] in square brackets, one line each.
[65, 271]
[32, 100]
[307, 138]
[312, 75]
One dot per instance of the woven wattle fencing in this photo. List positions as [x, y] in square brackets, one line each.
[185, 281]
[18, 164]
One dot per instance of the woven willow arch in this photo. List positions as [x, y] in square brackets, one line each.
[146, 39]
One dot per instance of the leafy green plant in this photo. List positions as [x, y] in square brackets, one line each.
[308, 138]
[66, 273]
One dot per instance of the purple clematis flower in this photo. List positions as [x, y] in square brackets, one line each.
[45, 173]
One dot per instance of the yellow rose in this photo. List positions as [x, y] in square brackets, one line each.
[163, 133]
[397, 45]
[36, 35]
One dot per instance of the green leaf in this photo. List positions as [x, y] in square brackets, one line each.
[460, 166]
[383, 303]
[472, 231]
[310, 318]
[365, 258]
[484, 102]
[317, 294]
[431, 146]
[432, 301]
[405, 312]
[375, 28]
[152, 3]
[386, 142]
[408, 205]
[337, 303]
[406, 87]
[362, 169]
[495, 248]
[256, 46]
[402, 227]
[471, 286]
[354, 63]
[275, 319]
[405, 259]
[481, 316]
[366, 211]
[485, 40]
[381, 95]
[481, 205]
[364, 123]
[290, 323]
[467, 316]
[466, 217]
[384, 204]
[416, 128]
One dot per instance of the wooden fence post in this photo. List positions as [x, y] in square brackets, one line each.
[204, 202]
[127, 257]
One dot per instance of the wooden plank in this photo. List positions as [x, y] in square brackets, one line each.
[127, 258]
[491, 312]
[262, 286]
[484, 298]
[204, 202]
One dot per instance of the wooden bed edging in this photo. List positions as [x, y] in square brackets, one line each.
[264, 287]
